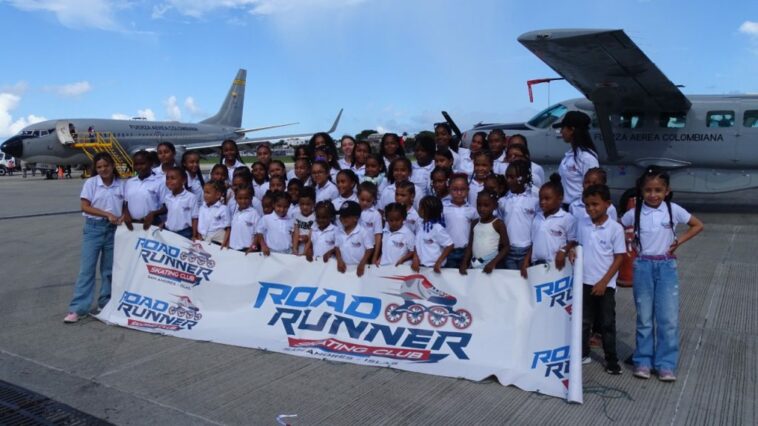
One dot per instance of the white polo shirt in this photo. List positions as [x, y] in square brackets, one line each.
[106, 198]
[337, 202]
[143, 195]
[196, 188]
[460, 158]
[579, 210]
[230, 170]
[600, 244]
[572, 170]
[517, 211]
[277, 232]
[182, 208]
[244, 223]
[656, 235]
[396, 244]
[328, 192]
[499, 167]
[371, 220]
[359, 171]
[421, 177]
[431, 243]
[412, 221]
[388, 195]
[551, 234]
[323, 240]
[213, 218]
[538, 175]
[260, 189]
[354, 245]
[458, 222]
[474, 188]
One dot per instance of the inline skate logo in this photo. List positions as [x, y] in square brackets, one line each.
[184, 308]
[195, 253]
[416, 291]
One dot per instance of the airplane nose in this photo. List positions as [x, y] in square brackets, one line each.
[13, 147]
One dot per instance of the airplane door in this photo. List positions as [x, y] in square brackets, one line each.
[63, 133]
[747, 134]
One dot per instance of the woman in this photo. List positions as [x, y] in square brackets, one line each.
[575, 130]
[347, 145]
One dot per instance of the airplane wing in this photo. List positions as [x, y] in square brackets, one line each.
[608, 68]
[258, 129]
[258, 140]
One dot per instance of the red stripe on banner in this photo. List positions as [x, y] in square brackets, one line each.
[142, 324]
[171, 273]
[334, 345]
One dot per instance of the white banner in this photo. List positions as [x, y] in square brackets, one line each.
[474, 326]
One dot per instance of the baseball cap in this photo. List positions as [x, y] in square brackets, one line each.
[349, 208]
[574, 119]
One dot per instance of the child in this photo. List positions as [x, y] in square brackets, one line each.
[361, 153]
[399, 171]
[390, 148]
[182, 209]
[482, 169]
[267, 203]
[303, 220]
[244, 223]
[478, 144]
[371, 219]
[553, 230]
[263, 154]
[423, 166]
[496, 142]
[458, 214]
[375, 172]
[443, 158]
[440, 178]
[347, 146]
[274, 233]
[230, 158]
[242, 179]
[517, 209]
[353, 243]
[594, 176]
[433, 243]
[656, 284]
[322, 233]
[302, 171]
[404, 195]
[488, 240]
[219, 174]
[398, 242]
[260, 179]
[294, 186]
[276, 183]
[604, 249]
[166, 152]
[102, 201]
[143, 194]
[443, 139]
[324, 154]
[325, 189]
[516, 152]
[277, 168]
[213, 219]
[195, 181]
[537, 171]
[346, 181]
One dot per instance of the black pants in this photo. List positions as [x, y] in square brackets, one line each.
[604, 308]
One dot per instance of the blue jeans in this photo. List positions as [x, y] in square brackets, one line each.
[455, 258]
[514, 258]
[97, 242]
[656, 297]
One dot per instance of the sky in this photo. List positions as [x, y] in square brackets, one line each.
[393, 65]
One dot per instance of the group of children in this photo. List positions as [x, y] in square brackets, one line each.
[488, 207]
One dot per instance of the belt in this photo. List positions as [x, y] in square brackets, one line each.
[657, 257]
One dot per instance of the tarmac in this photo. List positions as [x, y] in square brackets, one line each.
[130, 377]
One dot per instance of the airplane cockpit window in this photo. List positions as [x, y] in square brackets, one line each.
[630, 120]
[720, 119]
[750, 118]
[548, 116]
[675, 120]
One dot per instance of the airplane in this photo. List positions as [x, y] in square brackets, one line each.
[52, 141]
[708, 143]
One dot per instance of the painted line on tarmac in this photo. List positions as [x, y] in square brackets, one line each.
[27, 216]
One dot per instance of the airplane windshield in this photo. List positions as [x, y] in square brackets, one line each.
[548, 116]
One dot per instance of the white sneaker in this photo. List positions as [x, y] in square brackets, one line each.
[586, 360]
[71, 318]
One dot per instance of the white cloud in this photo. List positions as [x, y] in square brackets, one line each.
[9, 102]
[199, 8]
[146, 113]
[97, 14]
[172, 109]
[120, 116]
[191, 106]
[71, 89]
[750, 28]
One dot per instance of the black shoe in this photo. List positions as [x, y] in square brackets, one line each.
[613, 368]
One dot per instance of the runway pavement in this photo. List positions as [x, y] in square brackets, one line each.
[130, 377]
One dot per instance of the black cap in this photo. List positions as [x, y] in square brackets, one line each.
[349, 208]
[574, 119]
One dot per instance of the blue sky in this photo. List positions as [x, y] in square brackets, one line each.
[393, 65]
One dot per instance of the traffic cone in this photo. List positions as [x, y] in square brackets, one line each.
[626, 272]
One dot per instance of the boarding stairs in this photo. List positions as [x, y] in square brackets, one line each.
[92, 143]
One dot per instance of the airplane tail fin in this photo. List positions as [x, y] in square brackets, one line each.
[230, 113]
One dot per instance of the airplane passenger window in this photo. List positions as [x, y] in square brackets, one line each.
[720, 119]
[548, 116]
[630, 120]
[750, 118]
[673, 120]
